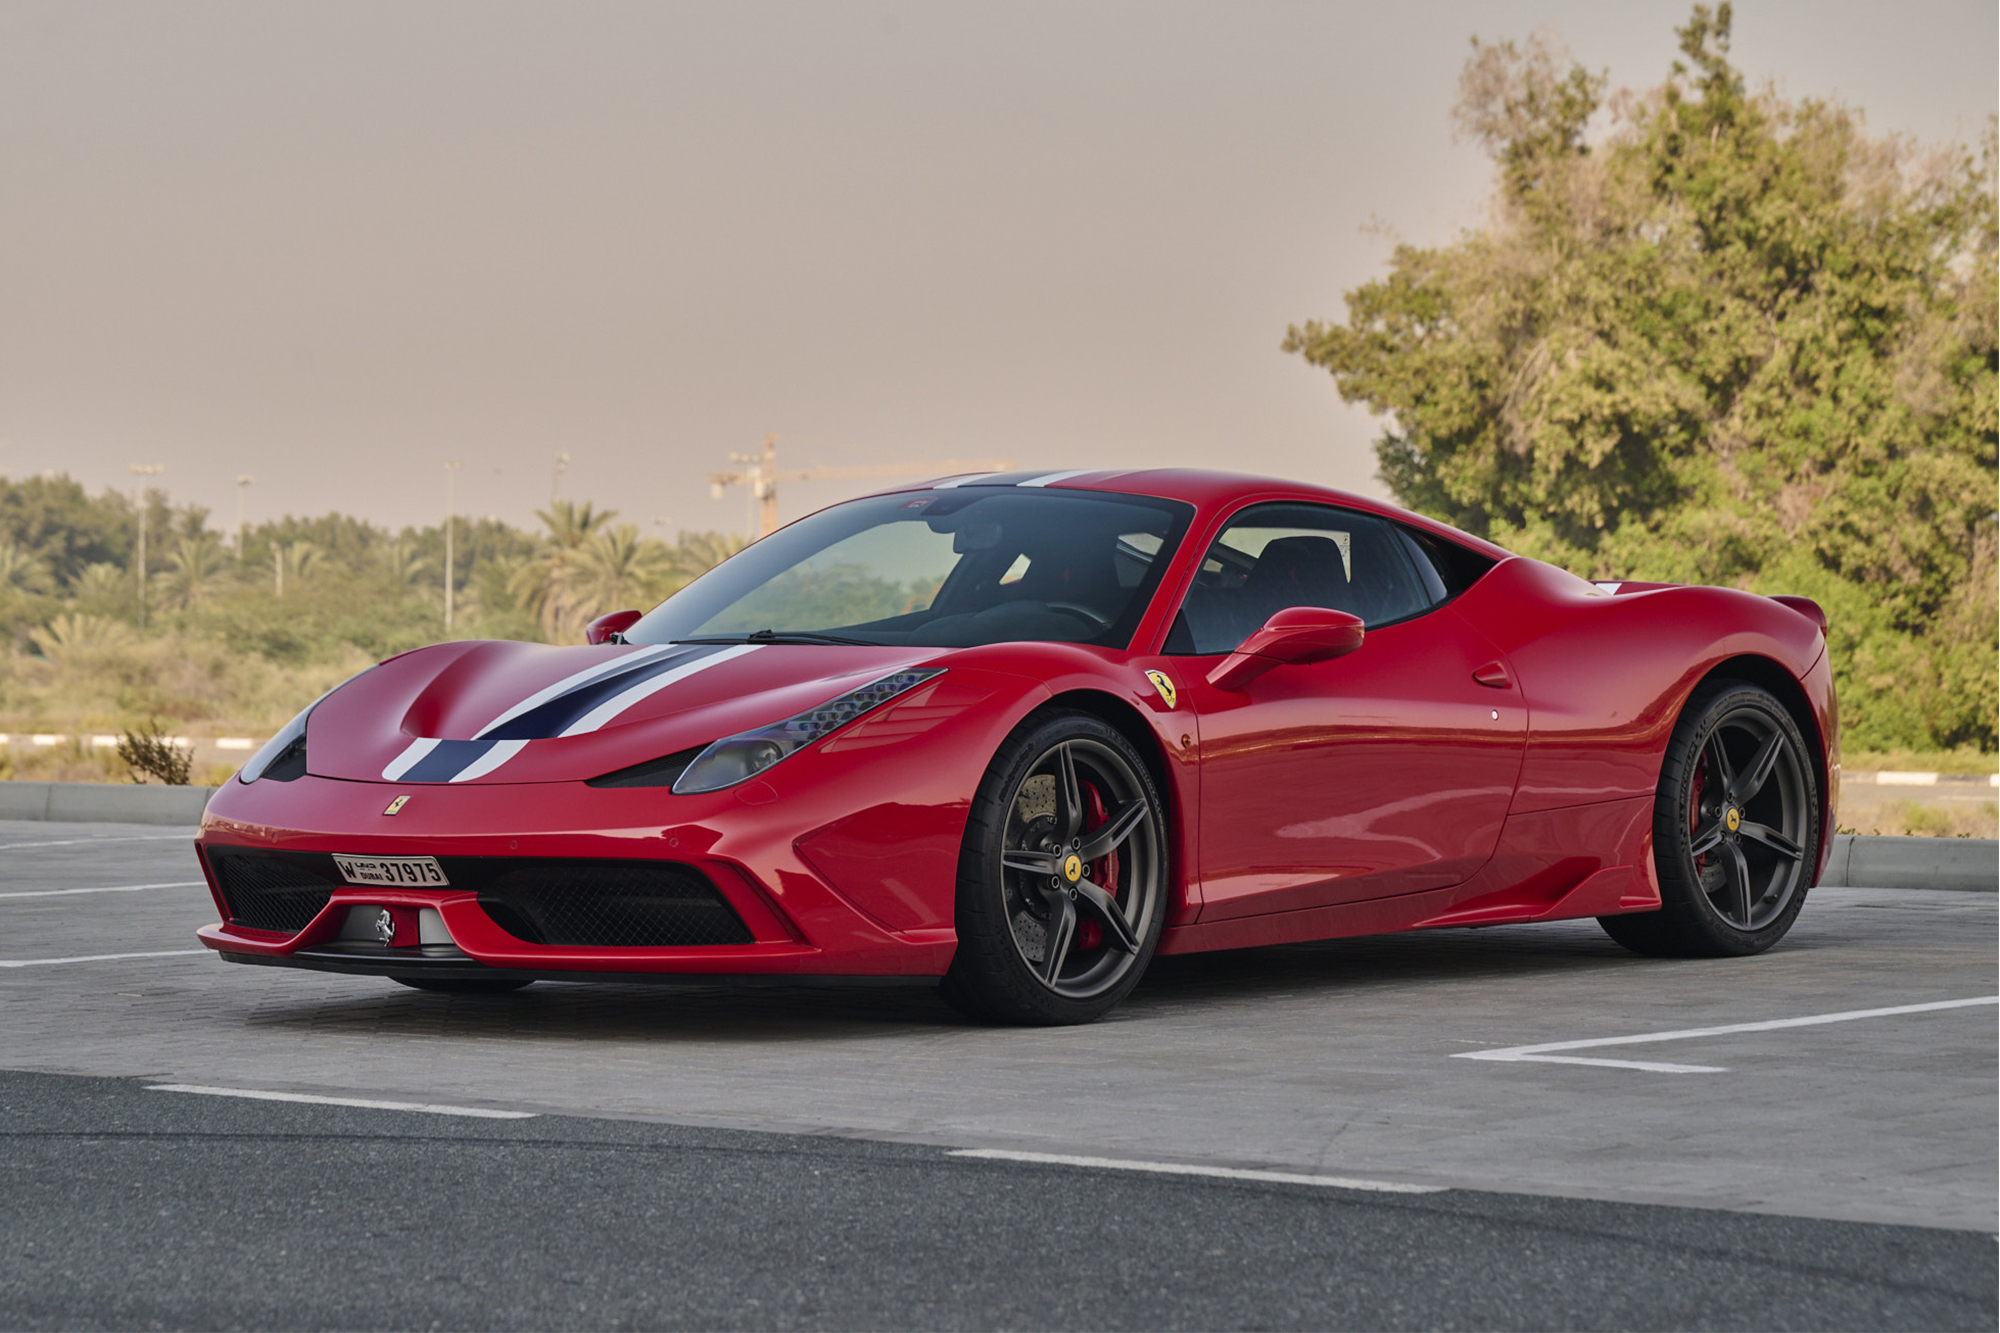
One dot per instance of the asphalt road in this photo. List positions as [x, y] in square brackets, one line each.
[784, 1158]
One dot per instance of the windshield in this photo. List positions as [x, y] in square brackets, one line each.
[947, 568]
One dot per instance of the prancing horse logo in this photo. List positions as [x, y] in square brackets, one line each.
[385, 926]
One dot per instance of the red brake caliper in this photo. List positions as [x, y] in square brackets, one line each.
[1694, 806]
[1102, 872]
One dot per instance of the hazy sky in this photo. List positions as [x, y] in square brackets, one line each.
[336, 244]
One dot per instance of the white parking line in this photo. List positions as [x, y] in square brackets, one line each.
[258, 1095]
[109, 888]
[1184, 1169]
[186, 835]
[1540, 1053]
[98, 958]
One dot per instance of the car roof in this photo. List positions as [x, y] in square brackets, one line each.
[1203, 488]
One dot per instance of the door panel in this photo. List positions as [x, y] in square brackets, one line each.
[1386, 771]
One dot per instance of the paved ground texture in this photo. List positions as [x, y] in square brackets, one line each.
[1838, 1174]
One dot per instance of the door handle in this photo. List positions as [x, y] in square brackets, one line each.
[1493, 674]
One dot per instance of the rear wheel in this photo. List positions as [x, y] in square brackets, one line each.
[1062, 878]
[1735, 829]
[463, 985]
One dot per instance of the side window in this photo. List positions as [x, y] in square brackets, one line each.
[1270, 557]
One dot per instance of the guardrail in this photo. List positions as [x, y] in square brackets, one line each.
[1862, 861]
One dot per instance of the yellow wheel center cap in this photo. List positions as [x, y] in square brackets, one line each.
[1734, 819]
[1073, 867]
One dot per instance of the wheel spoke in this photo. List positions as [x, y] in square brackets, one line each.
[1705, 839]
[1068, 795]
[1718, 762]
[1760, 768]
[1108, 911]
[1773, 839]
[1062, 929]
[1034, 862]
[1738, 872]
[1103, 841]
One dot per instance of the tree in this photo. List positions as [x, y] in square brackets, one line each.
[195, 566]
[615, 569]
[1734, 340]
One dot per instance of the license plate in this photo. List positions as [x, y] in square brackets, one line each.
[395, 872]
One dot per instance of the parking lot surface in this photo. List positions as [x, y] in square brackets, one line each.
[1346, 1059]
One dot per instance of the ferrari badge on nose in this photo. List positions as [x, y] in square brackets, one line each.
[385, 926]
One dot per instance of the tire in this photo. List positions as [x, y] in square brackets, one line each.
[1038, 942]
[463, 985]
[1736, 826]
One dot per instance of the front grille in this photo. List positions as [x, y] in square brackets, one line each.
[268, 891]
[611, 904]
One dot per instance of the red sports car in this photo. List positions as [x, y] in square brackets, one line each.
[1014, 734]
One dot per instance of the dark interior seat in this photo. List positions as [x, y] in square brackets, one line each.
[1299, 571]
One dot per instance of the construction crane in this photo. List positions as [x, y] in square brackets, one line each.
[762, 476]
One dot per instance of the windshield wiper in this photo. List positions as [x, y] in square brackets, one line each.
[781, 636]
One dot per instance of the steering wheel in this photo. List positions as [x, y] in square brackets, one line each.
[1096, 618]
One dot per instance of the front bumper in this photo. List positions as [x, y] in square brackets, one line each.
[798, 925]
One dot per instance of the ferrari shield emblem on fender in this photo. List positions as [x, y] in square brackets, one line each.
[1163, 684]
[396, 805]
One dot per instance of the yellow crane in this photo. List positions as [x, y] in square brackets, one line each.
[762, 476]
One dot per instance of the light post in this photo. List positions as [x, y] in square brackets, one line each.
[450, 476]
[142, 471]
[243, 480]
[555, 477]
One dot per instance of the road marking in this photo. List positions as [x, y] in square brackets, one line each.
[112, 888]
[98, 958]
[366, 1103]
[78, 842]
[1184, 1169]
[1540, 1053]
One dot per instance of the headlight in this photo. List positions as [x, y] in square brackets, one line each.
[283, 757]
[735, 759]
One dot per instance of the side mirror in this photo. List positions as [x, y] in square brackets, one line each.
[610, 625]
[1293, 637]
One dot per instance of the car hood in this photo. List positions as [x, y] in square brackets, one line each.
[521, 712]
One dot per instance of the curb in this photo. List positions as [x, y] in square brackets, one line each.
[1874, 862]
[103, 802]
[1971, 864]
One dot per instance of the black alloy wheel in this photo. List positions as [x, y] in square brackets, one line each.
[1062, 880]
[1736, 823]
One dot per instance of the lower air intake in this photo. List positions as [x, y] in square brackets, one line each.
[269, 892]
[612, 904]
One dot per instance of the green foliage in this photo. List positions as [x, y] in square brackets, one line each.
[226, 647]
[151, 753]
[1734, 341]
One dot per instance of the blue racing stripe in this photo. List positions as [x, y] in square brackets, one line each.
[446, 761]
[551, 718]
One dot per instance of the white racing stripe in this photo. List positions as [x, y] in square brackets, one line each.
[366, 1103]
[98, 958]
[501, 752]
[409, 758]
[960, 481]
[623, 662]
[109, 888]
[1544, 1052]
[618, 703]
[1184, 1169]
[1051, 478]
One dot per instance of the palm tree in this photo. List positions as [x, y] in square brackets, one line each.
[400, 561]
[23, 569]
[613, 570]
[695, 553]
[74, 633]
[194, 567]
[542, 585]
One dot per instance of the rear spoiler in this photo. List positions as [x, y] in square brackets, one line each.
[1805, 606]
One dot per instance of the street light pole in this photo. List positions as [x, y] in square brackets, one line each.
[242, 480]
[142, 471]
[450, 476]
[555, 478]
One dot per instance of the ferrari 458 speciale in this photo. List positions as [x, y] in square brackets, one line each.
[1014, 734]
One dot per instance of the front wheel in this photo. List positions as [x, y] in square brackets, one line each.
[1062, 880]
[1735, 829]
